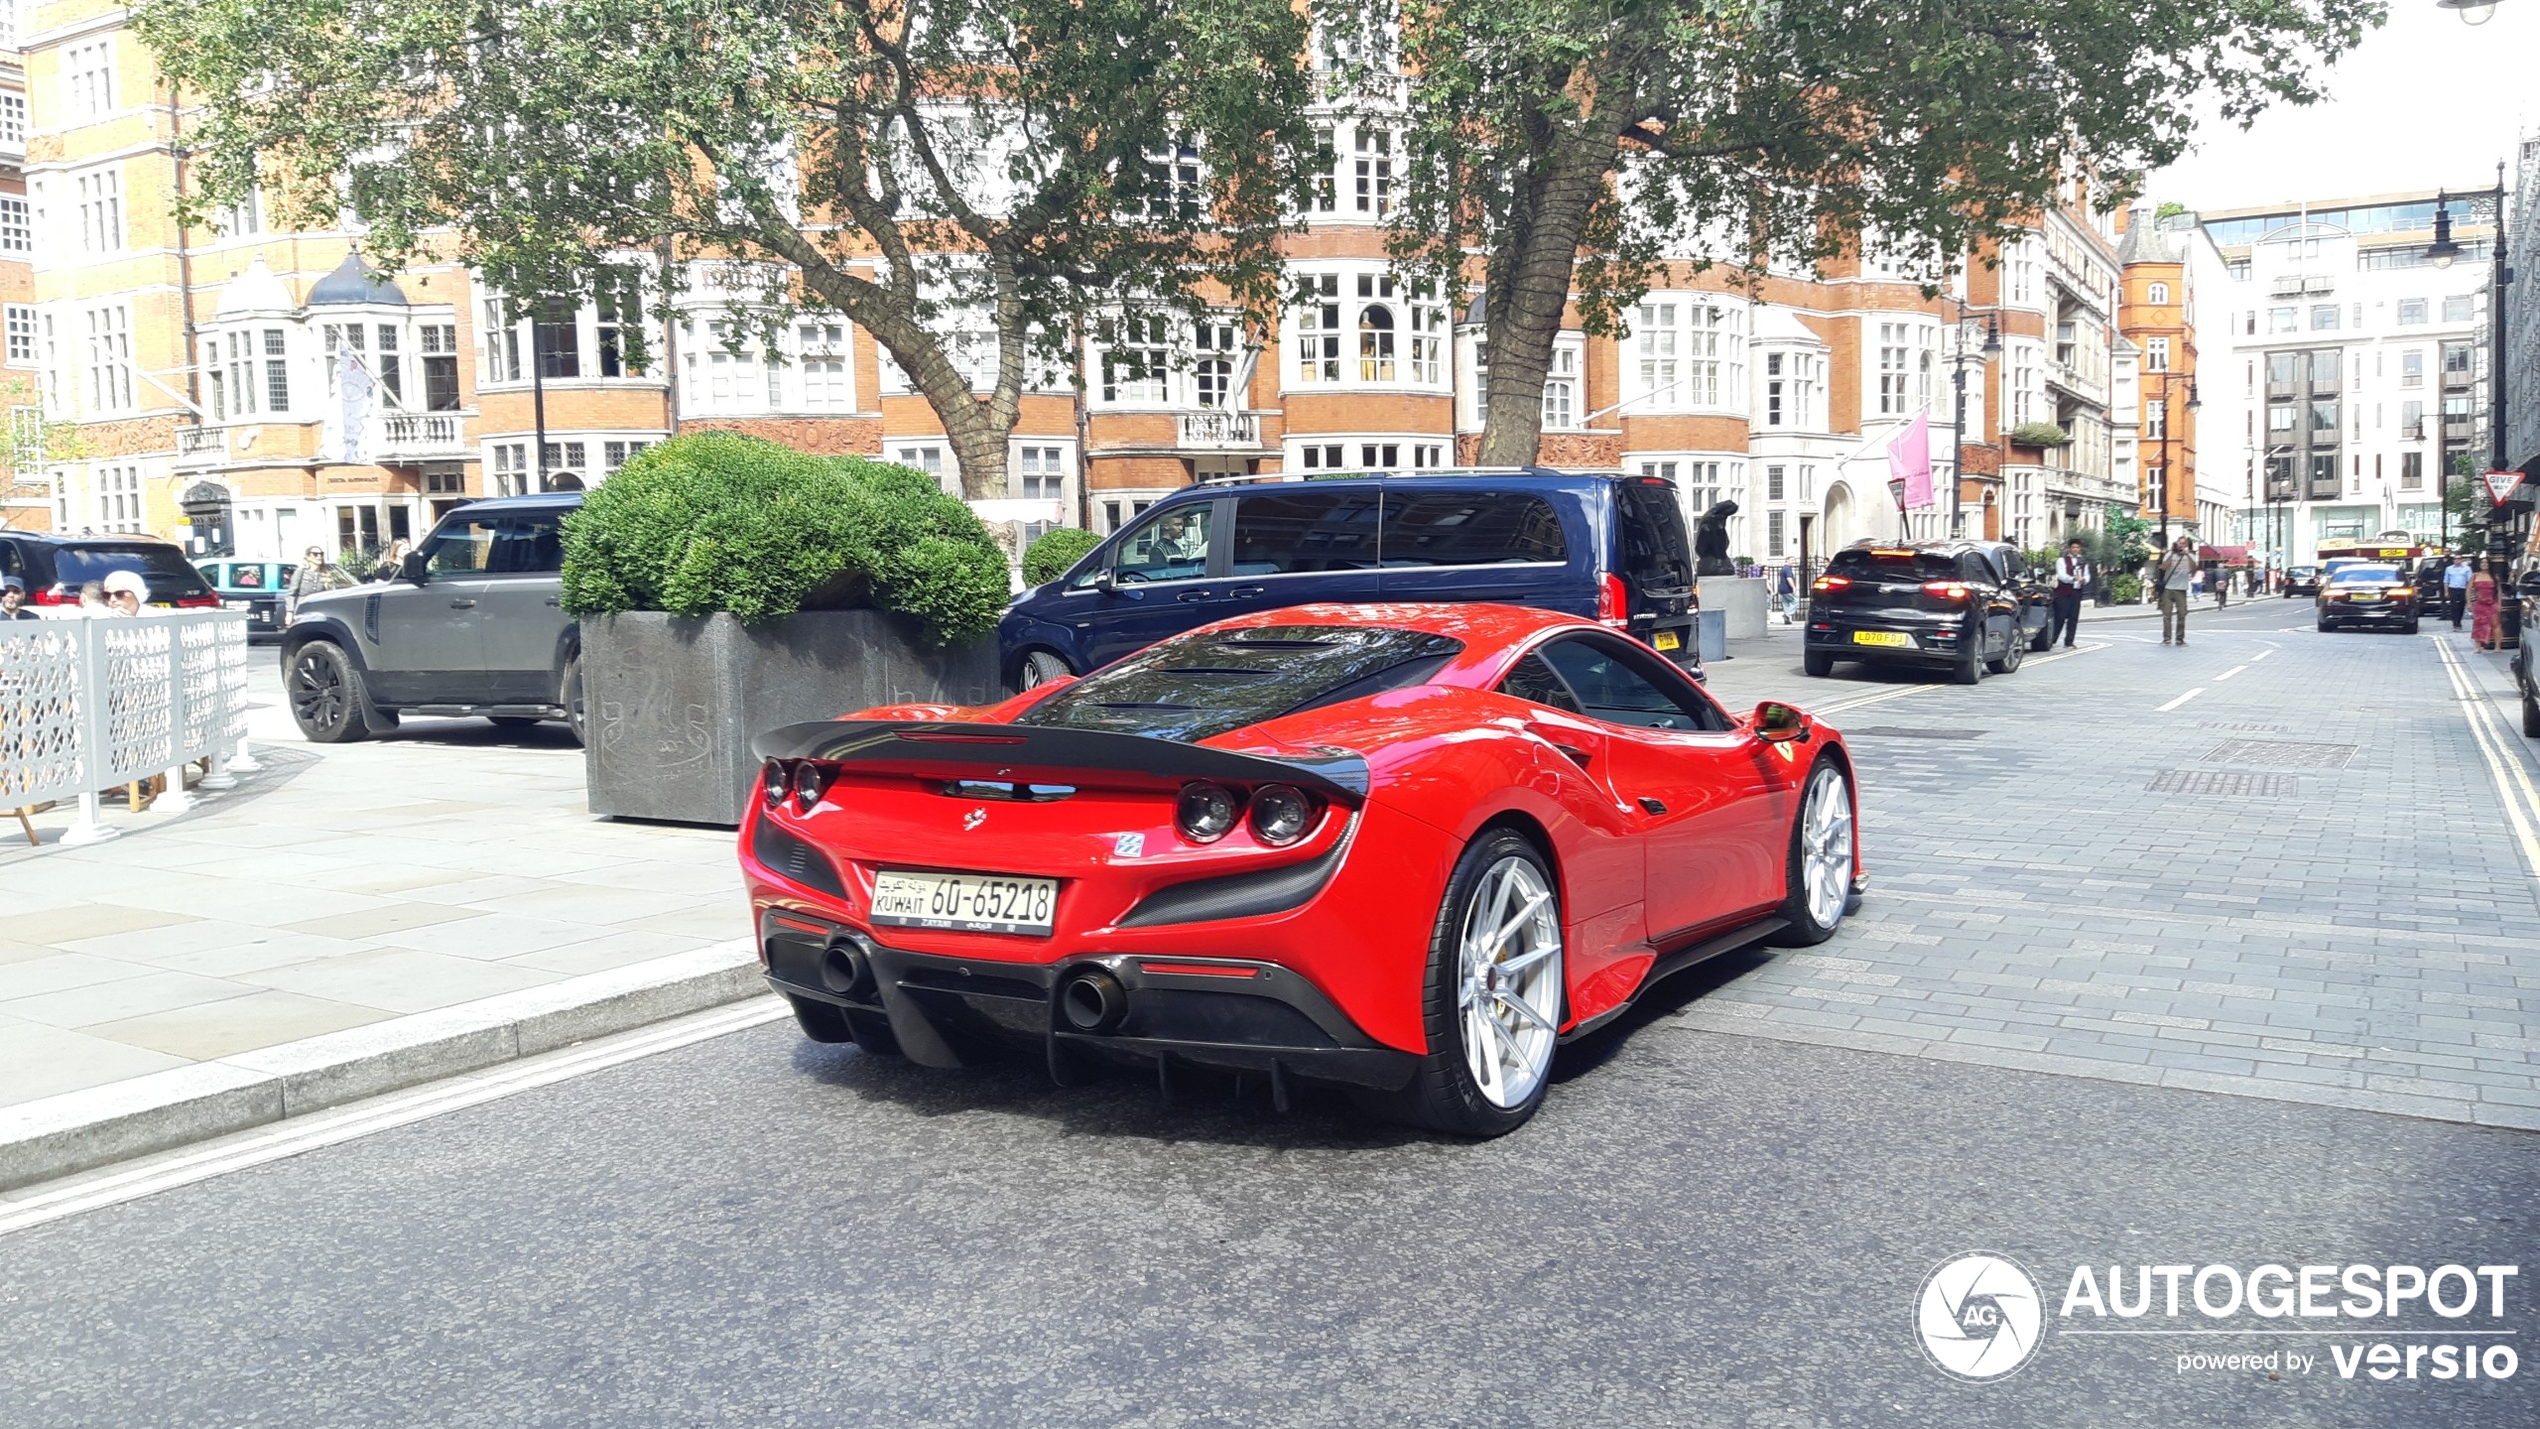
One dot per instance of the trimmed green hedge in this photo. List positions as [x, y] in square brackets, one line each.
[1050, 557]
[717, 521]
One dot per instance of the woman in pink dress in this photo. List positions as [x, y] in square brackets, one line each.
[2482, 609]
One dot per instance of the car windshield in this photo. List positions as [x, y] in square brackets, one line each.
[1896, 564]
[1208, 682]
[2365, 575]
[163, 567]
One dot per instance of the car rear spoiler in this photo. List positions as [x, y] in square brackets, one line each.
[1046, 752]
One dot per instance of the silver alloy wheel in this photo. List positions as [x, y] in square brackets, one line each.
[1508, 999]
[1825, 846]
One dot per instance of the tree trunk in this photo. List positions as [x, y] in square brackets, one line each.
[1529, 287]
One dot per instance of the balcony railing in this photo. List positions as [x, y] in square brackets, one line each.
[203, 442]
[411, 436]
[1216, 428]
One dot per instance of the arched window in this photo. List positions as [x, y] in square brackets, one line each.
[2159, 295]
[1375, 343]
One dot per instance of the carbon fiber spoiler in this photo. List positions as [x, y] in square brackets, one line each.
[1038, 751]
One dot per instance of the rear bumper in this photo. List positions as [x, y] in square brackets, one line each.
[1930, 644]
[1235, 1013]
[2383, 614]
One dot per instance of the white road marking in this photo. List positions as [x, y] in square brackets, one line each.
[1902, 691]
[2174, 704]
[2262, 654]
[2227, 674]
[183, 1167]
[2502, 764]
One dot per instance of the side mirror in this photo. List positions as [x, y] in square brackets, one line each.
[415, 568]
[1778, 723]
[1106, 582]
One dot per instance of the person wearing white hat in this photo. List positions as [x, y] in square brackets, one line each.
[125, 591]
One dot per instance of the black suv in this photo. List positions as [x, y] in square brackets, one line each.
[53, 568]
[473, 624]
[1963, 606]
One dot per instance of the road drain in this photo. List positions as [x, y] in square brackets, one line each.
[2281, 754]
[2225, 783]
[2240, 727]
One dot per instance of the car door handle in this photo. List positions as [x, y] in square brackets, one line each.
[462, 605]
[1652, 805]
[1244, 590]
[1191, 595]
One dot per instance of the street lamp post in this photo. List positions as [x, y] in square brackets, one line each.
[2443, 252]
[1991, 349]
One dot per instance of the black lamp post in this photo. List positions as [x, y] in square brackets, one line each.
[1991, 349]
[2443, 252]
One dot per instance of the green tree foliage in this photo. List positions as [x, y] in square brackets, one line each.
[721, 522]
[975, 183]
[1056, 551]
[1578, 144]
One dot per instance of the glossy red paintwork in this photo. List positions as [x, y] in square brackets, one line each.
[1444, 759]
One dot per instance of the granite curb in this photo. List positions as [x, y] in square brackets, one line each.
[78, 1131]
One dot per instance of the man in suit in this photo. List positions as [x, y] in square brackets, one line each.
[2072, 577]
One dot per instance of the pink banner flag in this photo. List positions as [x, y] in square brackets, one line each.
[1909, 460]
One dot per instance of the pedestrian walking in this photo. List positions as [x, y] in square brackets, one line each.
[2220, 585]
[13, 604]
[1786, 594]
[316, 573]
[2174, 578]
[2483, 609]
[2072, 577]
[2456, 589]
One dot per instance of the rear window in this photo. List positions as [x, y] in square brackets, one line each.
[2364, 575]
[163, 567]
[1196, 686]
[1655, 547]
[1470, 528]
[1894, 565]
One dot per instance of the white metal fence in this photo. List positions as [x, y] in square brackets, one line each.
[88, 704]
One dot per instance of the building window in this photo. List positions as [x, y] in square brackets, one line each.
[1773, 534]
[1561, 390]
[2456, 363]
[2283, 320]
[616, 454]
[2156, 355]
[1318, 328]
[564, 464]
[110, 359]
[1321, 457]
[2411, 471]
[1134, 373]
[1774, 484]
[1658, 338]
[1428, 338]
[511, 468]
[119, 500]
[438, 346]
[2324, 317]
[615, 313]
[1892, 369]
[392, 366]
[1379, 456]
[1326, 190]
[277, 371]
[17, 232]
[1773, 396]
[1375, 342]
[1714, 355]
[2324, 418]
[242, 219]
[12, 112]
[557, 336]
[1428, 456]
[2460, 308]
[1374, 172]
[824, 365]
[2158, 295]
[2156, 419]
[928, 458]
[2023, 273]
[2412, 421]
[342, 335]
[20, 320]
[90, 79]
[100, 211]
[1043, 473]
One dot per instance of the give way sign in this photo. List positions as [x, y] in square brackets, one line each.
[2501, 484]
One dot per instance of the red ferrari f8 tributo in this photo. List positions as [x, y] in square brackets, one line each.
[1404, 848]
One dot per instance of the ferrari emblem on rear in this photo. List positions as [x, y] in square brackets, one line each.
[974, 818]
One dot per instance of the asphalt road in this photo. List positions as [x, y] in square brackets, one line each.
[1703, 1227]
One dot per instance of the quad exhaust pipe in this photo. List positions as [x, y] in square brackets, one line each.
[1093, 1001]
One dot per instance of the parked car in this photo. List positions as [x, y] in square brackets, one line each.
[2527, 679]
[53, 568]
[2368, 595]
[1403, 849]
[260, 588]
[1607, 547]
[2301, 580]
[1967, 607]
[473, 624]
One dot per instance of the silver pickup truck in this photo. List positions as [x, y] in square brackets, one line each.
[473, 624]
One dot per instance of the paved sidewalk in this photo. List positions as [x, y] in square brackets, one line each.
[345, 886]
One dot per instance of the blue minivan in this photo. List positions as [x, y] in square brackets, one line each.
[1602, 545]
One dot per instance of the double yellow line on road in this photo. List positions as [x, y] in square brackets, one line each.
[2504, 765]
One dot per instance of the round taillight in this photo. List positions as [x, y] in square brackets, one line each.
[811, 780]
[1206, 812]
[1280, 815]
[774, 780]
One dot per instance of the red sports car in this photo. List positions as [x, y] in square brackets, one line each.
[1405, 848]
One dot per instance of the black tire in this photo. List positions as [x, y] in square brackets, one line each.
[514, 724]
[1806, 927]
[1970, 667]
[569, 695]
[2045, 640]
[327, 698]
[820, 1021]
[2412, 624]
[2530, 716]
[1817, 662]
[1039, 668]
[1443, 1096]
[2325, 627]
[2013, 652]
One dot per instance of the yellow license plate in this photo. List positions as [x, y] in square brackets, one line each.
[1880, 637]
[1669, 640]
[2361, 599]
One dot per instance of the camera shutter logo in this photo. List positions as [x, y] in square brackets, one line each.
[1978, 1317]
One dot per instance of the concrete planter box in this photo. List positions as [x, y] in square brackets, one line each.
[1740, 598]
[675, 701]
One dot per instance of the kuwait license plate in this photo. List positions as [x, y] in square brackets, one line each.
[1670, 640]
[233, 605]
[968, 902]
[1880, 637]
